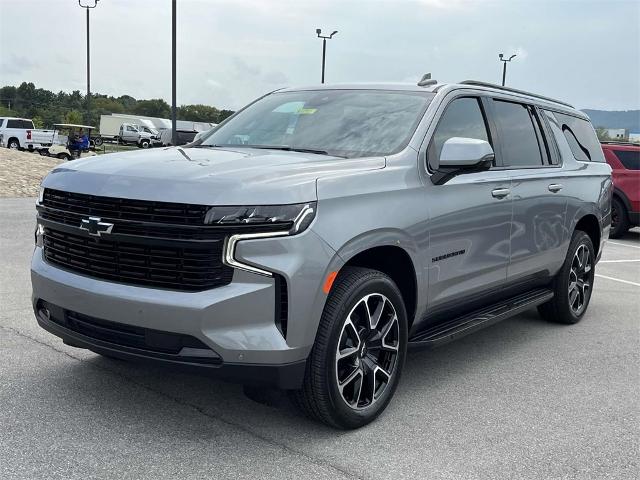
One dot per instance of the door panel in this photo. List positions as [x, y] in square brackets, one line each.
[469, 236]
[539, 230]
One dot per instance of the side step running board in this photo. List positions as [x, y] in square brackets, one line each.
[442, 333]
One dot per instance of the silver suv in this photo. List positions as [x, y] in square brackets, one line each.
[313, 237]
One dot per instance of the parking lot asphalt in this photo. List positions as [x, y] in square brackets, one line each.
[522, 399]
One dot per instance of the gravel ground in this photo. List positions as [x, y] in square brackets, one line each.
[523, 399]
[22, 172]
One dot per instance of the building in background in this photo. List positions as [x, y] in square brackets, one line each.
[618, 134]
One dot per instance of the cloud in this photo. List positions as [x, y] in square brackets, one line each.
[16, 65]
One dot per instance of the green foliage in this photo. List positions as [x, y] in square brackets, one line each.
[603, 134]
[73, 116]
[5, 112]
[37, 122]
[28, 101]
[198, 113]
[153, 108]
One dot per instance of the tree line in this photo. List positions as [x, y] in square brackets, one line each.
[46, 107]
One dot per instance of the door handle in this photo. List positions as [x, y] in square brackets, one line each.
[500, 192]
[555, 187]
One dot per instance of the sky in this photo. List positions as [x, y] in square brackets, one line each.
[586, 52]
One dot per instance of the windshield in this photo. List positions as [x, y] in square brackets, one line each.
[348, 123]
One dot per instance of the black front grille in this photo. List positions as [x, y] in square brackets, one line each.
[191, 268]
[125, 209]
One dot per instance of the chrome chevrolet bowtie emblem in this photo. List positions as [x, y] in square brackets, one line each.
[95, 226]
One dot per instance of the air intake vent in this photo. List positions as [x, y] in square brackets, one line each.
[282, 305]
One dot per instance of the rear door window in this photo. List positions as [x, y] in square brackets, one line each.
[581, 137]
[520, 137]
[462, 118]
[14, 124]
[629, 158]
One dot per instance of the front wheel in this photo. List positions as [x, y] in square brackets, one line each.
[355, 365]
[573, 284]
[13, 144]
[145, 144]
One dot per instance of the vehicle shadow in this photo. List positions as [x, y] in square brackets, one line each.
[633, 235]
[168, 401]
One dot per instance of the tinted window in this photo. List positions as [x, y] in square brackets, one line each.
[629, 158]
[14, 124]
[350, 123]
[520, 147]
[581, 138]
[462, 118]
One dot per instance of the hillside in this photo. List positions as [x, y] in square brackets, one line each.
[629, 119]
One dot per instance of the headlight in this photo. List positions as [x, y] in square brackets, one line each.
[293, 218]
[283, 220]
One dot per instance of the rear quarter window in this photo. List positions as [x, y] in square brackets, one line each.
[581, 137]
[629, 158]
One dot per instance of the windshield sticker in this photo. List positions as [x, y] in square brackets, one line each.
[307, 111]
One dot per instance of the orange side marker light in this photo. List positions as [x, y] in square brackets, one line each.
[329, 282]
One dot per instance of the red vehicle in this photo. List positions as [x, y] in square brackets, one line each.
[624, 159]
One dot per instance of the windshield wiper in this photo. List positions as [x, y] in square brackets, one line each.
[286, 148]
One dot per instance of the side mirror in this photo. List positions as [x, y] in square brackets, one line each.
[459, 152]
[461, 155]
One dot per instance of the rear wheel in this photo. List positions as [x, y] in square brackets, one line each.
[63, 156]
[98, 141]
[619, 219]
[573, 284]
[355, 365]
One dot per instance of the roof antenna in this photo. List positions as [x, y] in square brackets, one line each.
[426, 80]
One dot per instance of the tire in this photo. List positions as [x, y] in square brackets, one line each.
[145, 143]
[337, 388]
[13, 144]
[566, 306]
[63, 156]
[98, 141]
[619, 219]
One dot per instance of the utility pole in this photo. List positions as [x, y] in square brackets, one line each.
[88, 7]
[324, 47]
[174, 132]
[504, 65]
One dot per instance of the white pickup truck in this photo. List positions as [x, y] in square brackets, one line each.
[19, 133]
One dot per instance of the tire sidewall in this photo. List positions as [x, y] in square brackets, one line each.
[383, 285]
[580, 238]
[621, 227]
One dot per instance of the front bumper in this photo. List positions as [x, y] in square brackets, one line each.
[236, 321]
[284, 376]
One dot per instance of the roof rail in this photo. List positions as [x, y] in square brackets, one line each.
[514, 90]
[620, 143]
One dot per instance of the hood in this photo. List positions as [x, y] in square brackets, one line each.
[210, 176]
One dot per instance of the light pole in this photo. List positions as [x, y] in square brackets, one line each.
[174, 133]
[324, 47]
[504, 65]
[88, 7]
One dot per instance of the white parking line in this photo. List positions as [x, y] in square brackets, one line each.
[618, 280]
[618, 261]
[623, 244]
